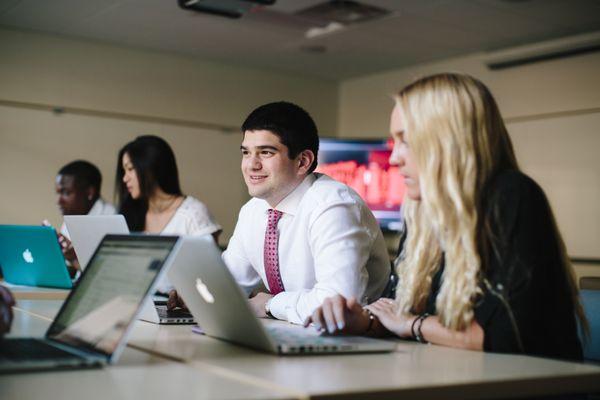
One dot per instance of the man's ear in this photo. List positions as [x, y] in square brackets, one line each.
[91, 193]
[305, 160]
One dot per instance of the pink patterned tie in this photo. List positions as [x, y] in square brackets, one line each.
[271, 254]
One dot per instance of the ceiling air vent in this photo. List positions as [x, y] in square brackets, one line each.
[224, 8]
[334, 16]
[344, 12]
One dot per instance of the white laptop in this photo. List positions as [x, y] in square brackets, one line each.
[93, 323]
[86, 233]
[222, 310]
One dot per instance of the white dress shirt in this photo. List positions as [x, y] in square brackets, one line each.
[100, 207]
[329, 243]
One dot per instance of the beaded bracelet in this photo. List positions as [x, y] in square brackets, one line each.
[419, 335]
[412, 327]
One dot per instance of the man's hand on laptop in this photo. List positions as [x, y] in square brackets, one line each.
[338, 315]
[175, 301]
[257, 303]
[7, 302]
[67, 249]
[69, 253]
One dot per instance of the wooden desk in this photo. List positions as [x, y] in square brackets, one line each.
[45, 309]
[36, 293]
[413, 371]
[138, 375]
[418, 371]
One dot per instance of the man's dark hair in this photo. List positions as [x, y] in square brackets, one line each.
[84, 173]
[292, 124]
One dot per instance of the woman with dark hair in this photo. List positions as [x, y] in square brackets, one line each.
[149, 195]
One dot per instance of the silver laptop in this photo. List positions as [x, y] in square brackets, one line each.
[222, 310]
[93, 323]
[86, 233]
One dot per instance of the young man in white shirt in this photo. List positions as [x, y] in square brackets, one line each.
[304, 235]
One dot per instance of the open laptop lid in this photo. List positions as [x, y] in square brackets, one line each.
[30, 255]
[212, 295]
[98, 314]
[86, 232]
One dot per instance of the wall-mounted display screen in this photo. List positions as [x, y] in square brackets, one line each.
[363, 165]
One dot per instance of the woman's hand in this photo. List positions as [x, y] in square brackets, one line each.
[340, 315]
[386, 311]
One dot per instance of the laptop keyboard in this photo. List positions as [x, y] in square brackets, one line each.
[16, 350]
[178, 313]
[295, 340]
[307, 337]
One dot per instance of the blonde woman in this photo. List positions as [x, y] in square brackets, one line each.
[483, 266]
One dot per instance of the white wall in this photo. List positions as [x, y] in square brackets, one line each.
[545, 104]
[553, 114]
[56, 71]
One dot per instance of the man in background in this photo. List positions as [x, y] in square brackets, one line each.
[78, 193]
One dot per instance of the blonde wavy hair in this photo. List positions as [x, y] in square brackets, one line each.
[459, 141]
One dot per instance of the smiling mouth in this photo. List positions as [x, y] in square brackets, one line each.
[257, 179]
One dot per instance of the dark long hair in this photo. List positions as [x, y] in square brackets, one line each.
[155, 166]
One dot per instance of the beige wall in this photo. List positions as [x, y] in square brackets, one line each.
[553, 114]
[35, 144]
[56, 71]
[552, 110]
[586, 270]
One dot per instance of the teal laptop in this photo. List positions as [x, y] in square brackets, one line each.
[31, 255]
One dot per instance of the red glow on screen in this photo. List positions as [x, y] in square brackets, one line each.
[377, 182]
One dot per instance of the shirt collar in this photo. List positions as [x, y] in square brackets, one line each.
[289, 205]
[97, 207]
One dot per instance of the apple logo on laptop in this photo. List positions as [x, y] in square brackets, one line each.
[27, 256]
[204, 292]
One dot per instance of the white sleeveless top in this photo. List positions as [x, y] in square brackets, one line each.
[191, 218]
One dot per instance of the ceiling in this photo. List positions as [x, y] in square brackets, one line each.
[415, 31]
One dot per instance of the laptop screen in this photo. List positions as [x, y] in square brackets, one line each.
[99, 310]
